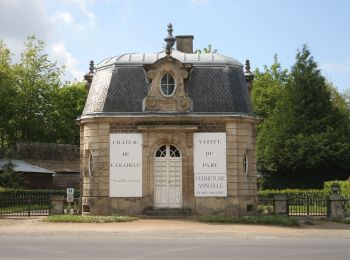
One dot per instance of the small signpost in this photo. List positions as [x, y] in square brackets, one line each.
[70, 199]
[70, 195]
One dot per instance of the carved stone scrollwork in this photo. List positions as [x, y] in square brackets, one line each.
[156, 100]
[151, 103]
[184, 104]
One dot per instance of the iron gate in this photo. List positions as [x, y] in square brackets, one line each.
[298, 204]
[307, 204]
[25, 204]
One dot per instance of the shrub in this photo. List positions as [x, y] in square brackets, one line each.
[294, 194]
[35, 192]
[344, 191]
[344, 187]
[88, 219]
[263, 220]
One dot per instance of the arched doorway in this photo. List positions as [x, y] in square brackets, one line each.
[168, 177]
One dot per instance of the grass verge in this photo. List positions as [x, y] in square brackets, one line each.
[342, 220]
[346, 221]
[263, 220]
[88, 219]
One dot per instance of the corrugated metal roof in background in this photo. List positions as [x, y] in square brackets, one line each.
[22, 166]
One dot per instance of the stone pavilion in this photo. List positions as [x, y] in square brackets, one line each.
[170, 130]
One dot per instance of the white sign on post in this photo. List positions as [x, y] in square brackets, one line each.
[70, 194]
[125, 165]
[209, 164]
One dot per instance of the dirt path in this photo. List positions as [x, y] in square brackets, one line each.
[171, 228]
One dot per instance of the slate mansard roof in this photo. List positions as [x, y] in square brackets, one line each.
[216, 84]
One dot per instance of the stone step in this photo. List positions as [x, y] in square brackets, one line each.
[168, 213]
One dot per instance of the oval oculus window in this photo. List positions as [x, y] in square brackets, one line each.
[167, 85]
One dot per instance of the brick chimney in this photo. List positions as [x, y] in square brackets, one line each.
[184, 43]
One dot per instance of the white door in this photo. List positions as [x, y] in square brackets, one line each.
[168, 177]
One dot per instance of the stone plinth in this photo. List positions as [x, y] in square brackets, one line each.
[336, 206]
[57, 204]
[280, 205]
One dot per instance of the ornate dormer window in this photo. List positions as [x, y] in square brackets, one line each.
[167, 76]
[167, 85]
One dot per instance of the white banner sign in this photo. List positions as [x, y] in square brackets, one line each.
[209, 164]
[125, 165]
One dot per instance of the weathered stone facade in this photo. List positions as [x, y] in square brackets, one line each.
[241, 188]
[209, 95]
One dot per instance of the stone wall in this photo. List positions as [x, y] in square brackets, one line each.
[47, 151]
[94, 138]
[241, 187]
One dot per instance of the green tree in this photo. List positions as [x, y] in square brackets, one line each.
[340, 100]
[267, 88]
[346, 97]
[35, 106]
[8, 95]
[9, 178]
[305, 140]
[69, 104]
[207, 50]
[37, 80]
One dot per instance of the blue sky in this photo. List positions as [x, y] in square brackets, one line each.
[79, 30]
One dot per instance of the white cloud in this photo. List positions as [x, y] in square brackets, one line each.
[200, 2]
[83, 7]
[19, 19]
[60, 53]
[64, 17]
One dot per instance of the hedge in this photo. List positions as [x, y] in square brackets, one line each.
[327, 190]
[35, 192]
[301, 197]
[344, 187]
[292, 192]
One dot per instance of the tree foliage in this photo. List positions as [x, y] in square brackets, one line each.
[9, 178]
[69, 104]
[37, 79]
[208, 49]
[267, 88]
[305, 140]
[35, 105]
[7, 96]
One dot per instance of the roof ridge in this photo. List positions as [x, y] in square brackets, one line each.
[152, 57]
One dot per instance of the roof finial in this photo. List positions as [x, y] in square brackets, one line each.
[88, 77]
[247, 67]
[247, 73]
[170, 40]
[92, 67]
[249, 76]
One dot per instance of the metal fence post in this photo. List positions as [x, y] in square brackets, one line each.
[28, 203]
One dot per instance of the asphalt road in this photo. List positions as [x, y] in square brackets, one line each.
[116, 246]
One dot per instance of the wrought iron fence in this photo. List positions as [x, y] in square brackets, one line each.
[307, 204]
[298, 203]
[25, 203]
[33, 202]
